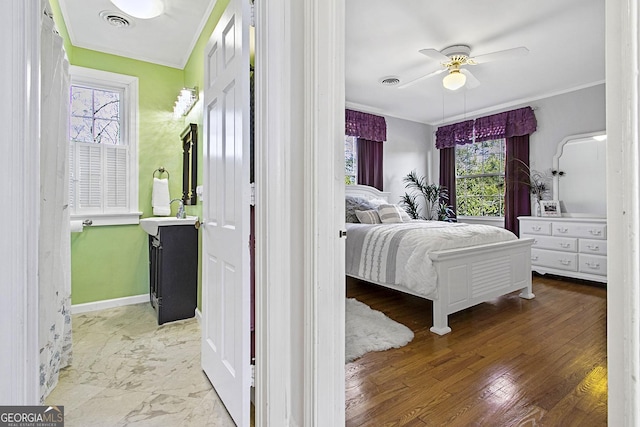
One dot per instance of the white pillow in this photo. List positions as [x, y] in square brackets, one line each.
[378, 202]
[403, 214]
[390, 213]
[368, 217]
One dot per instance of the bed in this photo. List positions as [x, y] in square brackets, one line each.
[468, 264]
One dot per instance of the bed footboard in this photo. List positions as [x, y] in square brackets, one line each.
[470, 276]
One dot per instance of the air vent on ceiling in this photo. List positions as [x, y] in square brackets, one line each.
[390, 81]
[115, 19]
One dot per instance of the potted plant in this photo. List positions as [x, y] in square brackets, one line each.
[537, 182]
[435, 199]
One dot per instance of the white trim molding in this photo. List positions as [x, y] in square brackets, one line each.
[623, 211]
[274, 141]
[323, 181]
[20, 214]
[110, 303]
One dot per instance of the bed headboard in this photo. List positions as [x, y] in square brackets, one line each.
[365, 192]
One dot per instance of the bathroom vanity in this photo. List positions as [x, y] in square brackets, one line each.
[173, 271]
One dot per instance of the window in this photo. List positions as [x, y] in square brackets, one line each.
[103, 151]
[350, 160]
[480, 178]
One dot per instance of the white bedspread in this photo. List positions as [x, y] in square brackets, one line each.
[398, 254]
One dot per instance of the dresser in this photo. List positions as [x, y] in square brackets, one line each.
[567, 246]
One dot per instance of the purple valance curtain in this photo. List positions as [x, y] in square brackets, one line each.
[506, 125]
[455, 134]
[502, 125]
[366, 126]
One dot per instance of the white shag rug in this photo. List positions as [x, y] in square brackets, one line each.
[370, 330]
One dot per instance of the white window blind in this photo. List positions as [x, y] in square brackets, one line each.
[117, 177]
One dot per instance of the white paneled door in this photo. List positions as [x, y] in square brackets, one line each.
[225, 263]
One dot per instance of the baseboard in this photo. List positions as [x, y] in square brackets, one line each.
[110, 303]
[198, 316]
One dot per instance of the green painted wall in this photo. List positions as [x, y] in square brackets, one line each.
[112, 261]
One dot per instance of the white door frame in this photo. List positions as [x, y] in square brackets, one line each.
[20, 193]
[325, 293]
[273, 256]
[623, 210]
[299, 204]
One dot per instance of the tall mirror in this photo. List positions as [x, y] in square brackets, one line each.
[189, 164]
[579, 175]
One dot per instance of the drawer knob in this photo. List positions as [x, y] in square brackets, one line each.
[593, 247]
[534, 258]
[595, 232]
[565, 245]
[593, 265]
[565, 261]
[536, 228]
[562, 229]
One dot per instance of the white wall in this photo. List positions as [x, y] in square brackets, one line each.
[409, 146]
[559, 116]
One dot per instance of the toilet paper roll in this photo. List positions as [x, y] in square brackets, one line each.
[77, 227]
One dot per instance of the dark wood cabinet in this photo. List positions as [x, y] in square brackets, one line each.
[173, 272]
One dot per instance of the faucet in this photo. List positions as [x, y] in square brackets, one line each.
[181, 213]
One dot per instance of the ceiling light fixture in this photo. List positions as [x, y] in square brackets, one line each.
[454, 80]
[143, 9]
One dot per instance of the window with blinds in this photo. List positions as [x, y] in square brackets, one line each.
[102, 152]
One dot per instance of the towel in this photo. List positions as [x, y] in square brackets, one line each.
[160, 197]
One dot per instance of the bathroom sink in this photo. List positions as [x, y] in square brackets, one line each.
[151, 224]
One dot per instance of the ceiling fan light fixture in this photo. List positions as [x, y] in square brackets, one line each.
[454, 80]
[142, 9]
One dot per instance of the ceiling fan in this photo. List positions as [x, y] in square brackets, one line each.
[453, 58]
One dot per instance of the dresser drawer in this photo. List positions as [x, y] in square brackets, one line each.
[586, 230]
[593, 264]
[565, 244]
[554, 259]
[535, 227]
[593, 247]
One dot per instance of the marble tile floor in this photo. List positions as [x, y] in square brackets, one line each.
[128, 371]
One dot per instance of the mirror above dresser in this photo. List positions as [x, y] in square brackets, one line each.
[579, 175]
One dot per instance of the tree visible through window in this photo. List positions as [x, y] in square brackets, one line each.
[95, 115]
[350, 160]
[480, 178]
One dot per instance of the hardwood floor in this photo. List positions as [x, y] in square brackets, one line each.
[510, 362]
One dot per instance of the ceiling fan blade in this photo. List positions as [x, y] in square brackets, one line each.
[472, 82]
[436, 55]
[500, 55]
[426, 76]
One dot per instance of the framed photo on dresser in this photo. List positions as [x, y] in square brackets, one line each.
[550, 208]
